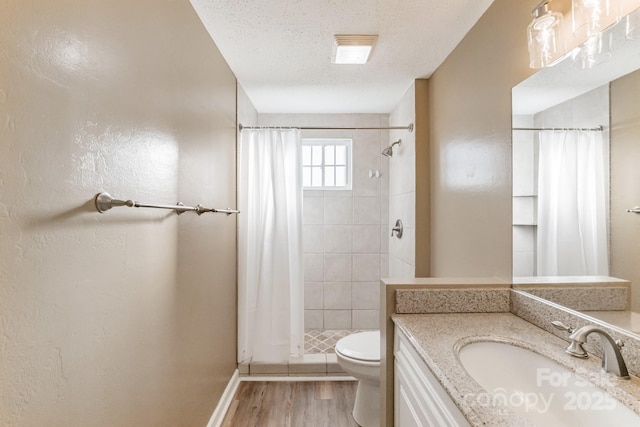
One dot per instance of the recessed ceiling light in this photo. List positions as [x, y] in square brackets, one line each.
[353, 48]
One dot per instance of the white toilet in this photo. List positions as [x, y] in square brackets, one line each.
[359, 355]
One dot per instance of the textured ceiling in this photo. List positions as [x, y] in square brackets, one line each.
[280, 50]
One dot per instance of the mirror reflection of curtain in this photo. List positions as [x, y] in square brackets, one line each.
[572, 233]
[270, 262]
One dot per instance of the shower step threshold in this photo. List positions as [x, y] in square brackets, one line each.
[319, 359]
[320, 365]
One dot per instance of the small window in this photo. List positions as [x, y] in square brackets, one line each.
[326, 164]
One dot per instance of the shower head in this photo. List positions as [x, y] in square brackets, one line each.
[389, 150]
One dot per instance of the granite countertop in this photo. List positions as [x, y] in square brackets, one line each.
[438, 337]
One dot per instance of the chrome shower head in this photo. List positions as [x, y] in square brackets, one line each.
[389, 150]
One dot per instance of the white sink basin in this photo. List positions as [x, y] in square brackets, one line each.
[539, 389]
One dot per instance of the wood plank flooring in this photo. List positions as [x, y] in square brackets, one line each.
[292, 404]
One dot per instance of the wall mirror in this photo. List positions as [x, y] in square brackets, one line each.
[576, 177]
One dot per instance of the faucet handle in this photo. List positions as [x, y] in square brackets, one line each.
[619, 344]
[561, 326]
[397, 229]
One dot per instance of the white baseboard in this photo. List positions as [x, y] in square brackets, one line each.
[225, 401]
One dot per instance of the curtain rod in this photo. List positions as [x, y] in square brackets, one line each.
[409, 128]
[595, 129]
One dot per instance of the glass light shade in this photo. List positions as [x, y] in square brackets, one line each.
[593, 16]
[544, 39]
[632, 25]
[594, 51]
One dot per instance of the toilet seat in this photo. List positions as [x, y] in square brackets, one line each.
[361, 346]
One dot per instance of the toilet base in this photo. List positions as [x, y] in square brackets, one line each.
[366, 410]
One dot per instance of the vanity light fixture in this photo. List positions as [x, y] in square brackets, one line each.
[590, 17]
[594, 51]
[353, 48]
[544, 37]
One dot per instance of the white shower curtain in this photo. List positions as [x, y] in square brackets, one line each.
[572, 204]
[270, 263]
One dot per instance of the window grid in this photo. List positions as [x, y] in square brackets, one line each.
[326, 164]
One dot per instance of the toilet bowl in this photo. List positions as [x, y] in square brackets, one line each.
[359, 355]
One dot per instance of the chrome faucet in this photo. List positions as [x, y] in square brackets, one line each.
[612, 361]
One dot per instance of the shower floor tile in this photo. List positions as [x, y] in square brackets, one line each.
[323, 341]
[319, 359]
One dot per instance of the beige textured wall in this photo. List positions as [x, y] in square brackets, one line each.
[470, 110]
[625, 182]
[126, 317]
[423, 180]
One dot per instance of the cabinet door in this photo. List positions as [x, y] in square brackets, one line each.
[420, 400]
[405, 415]
[408, 411]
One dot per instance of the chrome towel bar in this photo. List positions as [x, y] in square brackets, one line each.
[104, 202]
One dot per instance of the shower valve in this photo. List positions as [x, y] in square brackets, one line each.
[397, 229]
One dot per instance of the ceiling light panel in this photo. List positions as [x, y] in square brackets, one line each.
[353, 48]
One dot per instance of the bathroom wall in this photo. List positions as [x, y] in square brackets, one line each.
[345, 232]
[470, 111]
[126, 317]
[625, 176]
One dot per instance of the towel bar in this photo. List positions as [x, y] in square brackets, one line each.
[104, 202]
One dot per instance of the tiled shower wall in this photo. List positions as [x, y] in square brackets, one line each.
[346, 233]
[402, 188]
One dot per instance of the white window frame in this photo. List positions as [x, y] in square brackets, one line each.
[324, 142]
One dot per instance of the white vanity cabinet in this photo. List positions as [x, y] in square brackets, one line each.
[420, 400]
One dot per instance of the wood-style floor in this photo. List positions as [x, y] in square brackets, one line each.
[292, 404]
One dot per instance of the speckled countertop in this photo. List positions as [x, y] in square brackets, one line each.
[438, 337]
